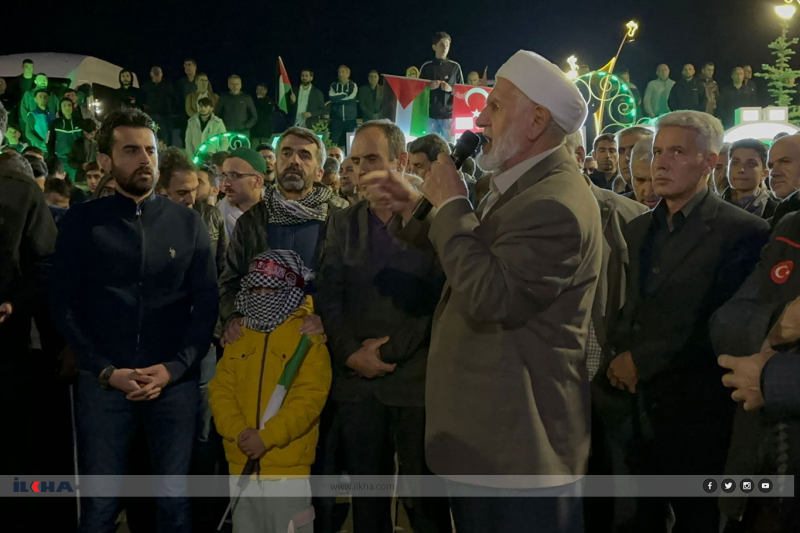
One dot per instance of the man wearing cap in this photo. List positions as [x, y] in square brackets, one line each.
[290, 216]
[507, 396]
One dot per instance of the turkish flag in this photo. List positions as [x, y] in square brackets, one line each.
[468, 102]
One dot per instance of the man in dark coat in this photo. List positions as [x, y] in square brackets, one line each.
[688, 256]
[377, 297]
[689, 92]
[27, 241]
[138, 308]
[756, 334]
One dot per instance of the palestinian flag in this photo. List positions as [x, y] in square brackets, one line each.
[407, 104]
[286, 379]
[284, 87]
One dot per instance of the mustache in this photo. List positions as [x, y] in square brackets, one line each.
[295, 170]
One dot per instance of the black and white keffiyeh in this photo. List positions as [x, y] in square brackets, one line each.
[275, 269]
[285, 212]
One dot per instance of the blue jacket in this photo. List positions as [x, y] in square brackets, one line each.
[344, 105]
[139, 285]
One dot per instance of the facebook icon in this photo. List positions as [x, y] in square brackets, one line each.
[710, 486]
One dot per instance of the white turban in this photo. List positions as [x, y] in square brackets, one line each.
[545, 83]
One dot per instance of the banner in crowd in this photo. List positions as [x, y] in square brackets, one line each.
[468, 102]
[407, 103]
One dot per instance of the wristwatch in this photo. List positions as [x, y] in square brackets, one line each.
[104, 376]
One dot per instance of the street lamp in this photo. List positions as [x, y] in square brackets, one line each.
[572, 73]
[786, 12]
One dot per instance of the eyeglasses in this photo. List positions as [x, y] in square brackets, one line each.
[235, 176]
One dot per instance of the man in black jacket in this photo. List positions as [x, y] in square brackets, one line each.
[733, 97]
[138, 309]
[444, 73]
[377, 297]
[689, 93]
[236, 109]
[687, 257]
[157, 95]
[84, 150]
[27, 241]
[306, 102]
[127, 95]
[262, 131]
[756, 334]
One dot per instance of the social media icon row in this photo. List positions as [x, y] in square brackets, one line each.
[729, 486]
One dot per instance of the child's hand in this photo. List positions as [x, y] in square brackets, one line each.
[312, 325]
[251, 445]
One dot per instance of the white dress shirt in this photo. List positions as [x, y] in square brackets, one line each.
[302, 105]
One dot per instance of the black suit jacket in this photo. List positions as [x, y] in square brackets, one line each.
[668, 331]
[360, 299]
[739, 328]
[316, 106]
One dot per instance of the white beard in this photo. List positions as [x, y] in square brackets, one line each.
[505, 147]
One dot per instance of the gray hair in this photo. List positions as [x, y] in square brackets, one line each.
[14, 162]
[641, 130]
[573, 141]
[307, 135]
[643, 150]
[709, 129]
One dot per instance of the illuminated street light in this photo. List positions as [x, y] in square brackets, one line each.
[631, 27]
[572, 61]
[785, 12]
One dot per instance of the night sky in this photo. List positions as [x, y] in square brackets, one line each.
[246, 36]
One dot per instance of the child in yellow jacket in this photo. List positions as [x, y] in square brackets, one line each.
[254, 373]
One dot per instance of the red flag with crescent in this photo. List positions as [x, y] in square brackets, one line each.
[468, 102]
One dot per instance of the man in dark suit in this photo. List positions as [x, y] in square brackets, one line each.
[370, 97]
[764, 378]
[307, 103]
[688, 257]
[609, 405]
[377, 297]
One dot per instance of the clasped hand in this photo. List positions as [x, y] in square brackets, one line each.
[367, 361]
[141, 383]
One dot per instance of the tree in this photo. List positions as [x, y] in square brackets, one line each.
[780, 76]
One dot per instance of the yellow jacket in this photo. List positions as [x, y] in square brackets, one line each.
[247, 375]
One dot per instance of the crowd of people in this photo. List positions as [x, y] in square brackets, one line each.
[626, 308]
[699, 92]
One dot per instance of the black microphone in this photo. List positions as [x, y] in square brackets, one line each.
[465, 148]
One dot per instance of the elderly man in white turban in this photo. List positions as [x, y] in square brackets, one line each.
[507, 394]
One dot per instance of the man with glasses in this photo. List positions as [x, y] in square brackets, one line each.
[242, 181]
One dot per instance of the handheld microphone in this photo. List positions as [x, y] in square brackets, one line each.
[465, 148]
